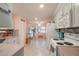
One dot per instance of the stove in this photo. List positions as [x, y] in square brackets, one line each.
[56, 42]
[68, 43]
[64, 43]
[56, 39]
[60, 43]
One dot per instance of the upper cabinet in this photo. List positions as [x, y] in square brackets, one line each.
[75, 15]
[5, 16]
[67, 15]
[63, 15]
[66, 8]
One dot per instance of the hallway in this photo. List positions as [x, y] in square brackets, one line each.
[36, 48]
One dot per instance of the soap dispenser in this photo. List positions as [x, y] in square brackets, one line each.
[61, 34]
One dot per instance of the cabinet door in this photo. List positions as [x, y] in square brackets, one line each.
[59, 15]
[62, 22]
[63, 17]
[66, 8]
[57, 24]
[5, 19]
[67, 21]
[76, 15]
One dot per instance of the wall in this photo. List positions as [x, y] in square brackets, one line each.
[22, 32]
[20, 26]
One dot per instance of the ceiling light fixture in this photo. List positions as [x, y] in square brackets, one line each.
[41, 6]
[39, 24]
[36, 18]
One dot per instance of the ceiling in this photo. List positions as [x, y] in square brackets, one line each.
[32, 10]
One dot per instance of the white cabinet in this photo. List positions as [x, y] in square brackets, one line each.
[68, 20]
[63, 18]
[75, 15]
[67, 16]
[63, 22]
[66, 8]
[5, 18]
[59, 14]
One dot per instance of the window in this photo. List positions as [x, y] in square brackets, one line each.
[41, 29]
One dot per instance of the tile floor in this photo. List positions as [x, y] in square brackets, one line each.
[36, 48]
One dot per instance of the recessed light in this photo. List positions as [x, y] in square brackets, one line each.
[36, 18]
[41, 6]
[39, 24]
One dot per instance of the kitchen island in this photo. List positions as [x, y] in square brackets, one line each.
[68, 51]
[11, 50]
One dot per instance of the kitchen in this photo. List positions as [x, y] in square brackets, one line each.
[51, 29]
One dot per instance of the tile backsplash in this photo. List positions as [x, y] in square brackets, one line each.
[70, 37]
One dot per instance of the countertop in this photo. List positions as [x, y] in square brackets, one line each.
[68, 50]
[9, 50]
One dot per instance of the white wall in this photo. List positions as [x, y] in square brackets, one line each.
[20, 26]
[22, 32]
